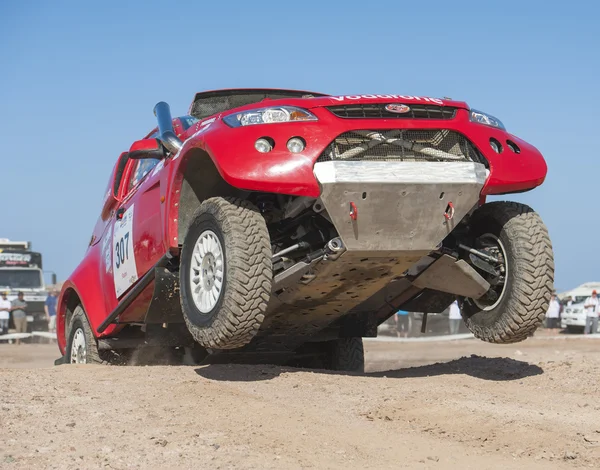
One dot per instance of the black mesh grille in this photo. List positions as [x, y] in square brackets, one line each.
[401, 145]
[378, 111]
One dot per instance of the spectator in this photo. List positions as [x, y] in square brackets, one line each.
[591, 314]
[553, 313]
[19, 307]
[401, 319]
[50, 309]
[4, 313]
[454, 317]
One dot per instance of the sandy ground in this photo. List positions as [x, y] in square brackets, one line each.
[462, 404]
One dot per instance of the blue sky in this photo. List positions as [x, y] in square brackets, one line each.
[78, 83]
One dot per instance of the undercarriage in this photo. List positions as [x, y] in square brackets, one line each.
[375, 222]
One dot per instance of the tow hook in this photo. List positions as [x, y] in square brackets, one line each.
[449, 214]
[353, 211]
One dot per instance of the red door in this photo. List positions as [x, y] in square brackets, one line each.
[134, 242]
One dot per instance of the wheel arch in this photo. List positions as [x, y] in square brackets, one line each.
[84, 287]
[197, 178]
[69, 301]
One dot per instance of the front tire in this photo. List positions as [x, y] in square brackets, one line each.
[82, 347]
[225, 273]
[520, 303]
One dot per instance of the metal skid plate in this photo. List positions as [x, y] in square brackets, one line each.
[400, 206]
[336, 288]
[389, 216]
[447, 274]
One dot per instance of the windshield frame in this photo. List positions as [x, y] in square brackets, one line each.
[220, 101]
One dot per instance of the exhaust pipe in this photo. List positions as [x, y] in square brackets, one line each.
[166, 134]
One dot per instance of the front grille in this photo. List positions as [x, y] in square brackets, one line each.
[378, 111]
[402, 145]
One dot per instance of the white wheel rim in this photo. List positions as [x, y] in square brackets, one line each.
[78, 348]
[501, 296]
[206, 271]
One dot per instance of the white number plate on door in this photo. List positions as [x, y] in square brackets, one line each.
[124, 267]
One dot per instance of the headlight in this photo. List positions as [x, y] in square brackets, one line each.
[269, 116]
[487, 119]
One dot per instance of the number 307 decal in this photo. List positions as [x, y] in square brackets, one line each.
[124, 267]
[122, 250]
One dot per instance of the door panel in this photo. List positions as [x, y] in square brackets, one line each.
[148, 235]
[106, 268]
[136, 242]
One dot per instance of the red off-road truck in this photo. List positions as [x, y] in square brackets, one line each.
[285, 226]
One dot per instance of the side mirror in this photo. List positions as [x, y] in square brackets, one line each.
[147, 148]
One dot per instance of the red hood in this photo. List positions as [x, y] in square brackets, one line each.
[322, 101]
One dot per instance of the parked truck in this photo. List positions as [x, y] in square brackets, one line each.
[21, 271]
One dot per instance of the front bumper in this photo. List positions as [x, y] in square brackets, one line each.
[279, 171]
[572, 320]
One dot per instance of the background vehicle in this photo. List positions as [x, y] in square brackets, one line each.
[21, 271]
[573, 316]
[286, 226]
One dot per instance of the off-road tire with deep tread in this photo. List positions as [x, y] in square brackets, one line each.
[347, 355]
[343, 354]
[79, 320]
[530, 280]
[239, 312]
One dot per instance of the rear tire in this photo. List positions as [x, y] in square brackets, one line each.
[343, 354]
[522, 304]
[347, 354]
[225, 273]
[82, 347]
